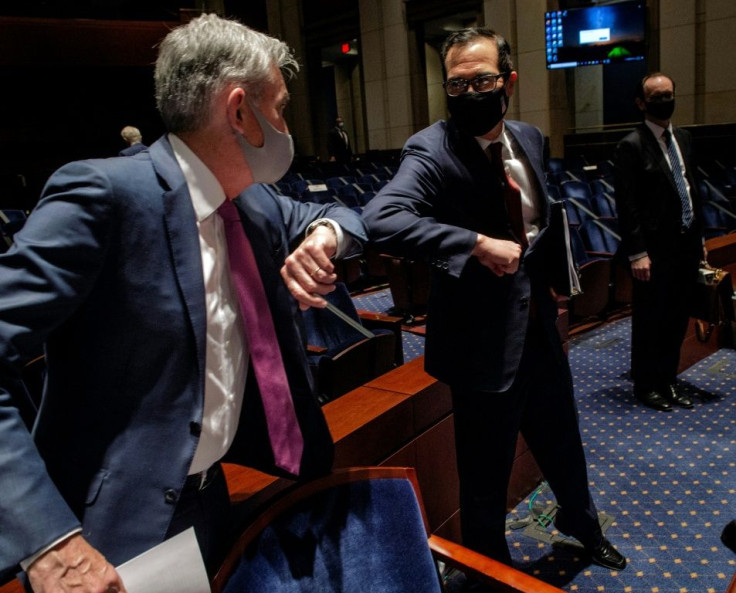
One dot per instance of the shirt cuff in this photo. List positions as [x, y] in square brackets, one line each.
[343, 241]
[638, 256]
[26, 564]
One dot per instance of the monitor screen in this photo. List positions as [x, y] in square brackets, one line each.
[596, 35]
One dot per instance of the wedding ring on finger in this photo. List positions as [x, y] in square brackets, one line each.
[317, 269]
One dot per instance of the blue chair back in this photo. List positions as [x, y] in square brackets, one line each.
[325, 329]
[598, 239]
[364, 534]
[575, 189]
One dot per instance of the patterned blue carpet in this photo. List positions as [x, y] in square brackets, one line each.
[666, 481]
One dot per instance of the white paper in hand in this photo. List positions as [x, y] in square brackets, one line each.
[174, 566]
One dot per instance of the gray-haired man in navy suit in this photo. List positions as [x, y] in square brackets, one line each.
[123, 272]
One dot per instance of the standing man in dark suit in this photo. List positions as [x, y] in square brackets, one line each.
[491, 333]
[128, 271]
[338, 143]
[658, 211]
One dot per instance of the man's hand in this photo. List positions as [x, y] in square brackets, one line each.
[308, 271]
[74, 566]
[641, 268]
[499, 255]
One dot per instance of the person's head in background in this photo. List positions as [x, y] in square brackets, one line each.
[655, 98]
[131, 135]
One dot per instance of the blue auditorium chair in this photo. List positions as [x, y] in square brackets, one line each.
[555, 165]
[594, 272]
[343, 357]
[602, 185]
[554, 192]
[357, 529]
[715, 222]
[603, 205]
[349, 195]
[600, 237]
[578, 210]
[319, 194]
[575, 189]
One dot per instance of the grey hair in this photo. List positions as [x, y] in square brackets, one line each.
[198, 60]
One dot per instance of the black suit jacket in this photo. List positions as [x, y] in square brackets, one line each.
[337, 147]
[649, 208]
[442, 196]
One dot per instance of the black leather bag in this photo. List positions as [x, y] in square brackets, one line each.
[713, 302]
[712, 298]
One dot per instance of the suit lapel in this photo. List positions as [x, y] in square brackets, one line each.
[534, 159]
[183, 239]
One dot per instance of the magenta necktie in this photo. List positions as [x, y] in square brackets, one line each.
[283, 428]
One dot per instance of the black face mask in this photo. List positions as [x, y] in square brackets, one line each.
[660, 110]
[478, 113]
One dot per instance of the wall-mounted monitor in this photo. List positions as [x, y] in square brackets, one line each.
[593, 35]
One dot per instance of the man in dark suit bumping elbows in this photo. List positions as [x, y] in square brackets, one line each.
[123, 271]
[491, 331]
[658, 210]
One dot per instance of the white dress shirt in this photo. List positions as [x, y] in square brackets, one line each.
[518, 168]
[226, 362]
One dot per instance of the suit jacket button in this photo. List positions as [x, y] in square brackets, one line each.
[195, 428]
[170, 496]
[524, 302]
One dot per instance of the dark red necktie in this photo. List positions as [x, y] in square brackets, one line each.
[511, 194]
[286, 438]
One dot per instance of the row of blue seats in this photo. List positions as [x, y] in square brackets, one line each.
[341, 172]
[354, 195]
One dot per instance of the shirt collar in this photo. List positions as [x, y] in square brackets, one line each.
[205, 191]
[485, 143]
[656, 129]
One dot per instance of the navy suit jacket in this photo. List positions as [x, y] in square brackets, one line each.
[442, 196]
[107, 274]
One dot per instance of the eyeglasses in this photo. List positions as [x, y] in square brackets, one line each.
[481, 84]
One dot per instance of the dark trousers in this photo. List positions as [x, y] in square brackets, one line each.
[541, 405]
[659, 316]
[207, 509]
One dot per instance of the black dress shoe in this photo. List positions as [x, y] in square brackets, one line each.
[654, 400]
[604, 554]
[728, 537]
[675, 396]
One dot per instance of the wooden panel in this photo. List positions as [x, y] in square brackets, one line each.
[432, 454]
[408, 379]
[368, 424]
